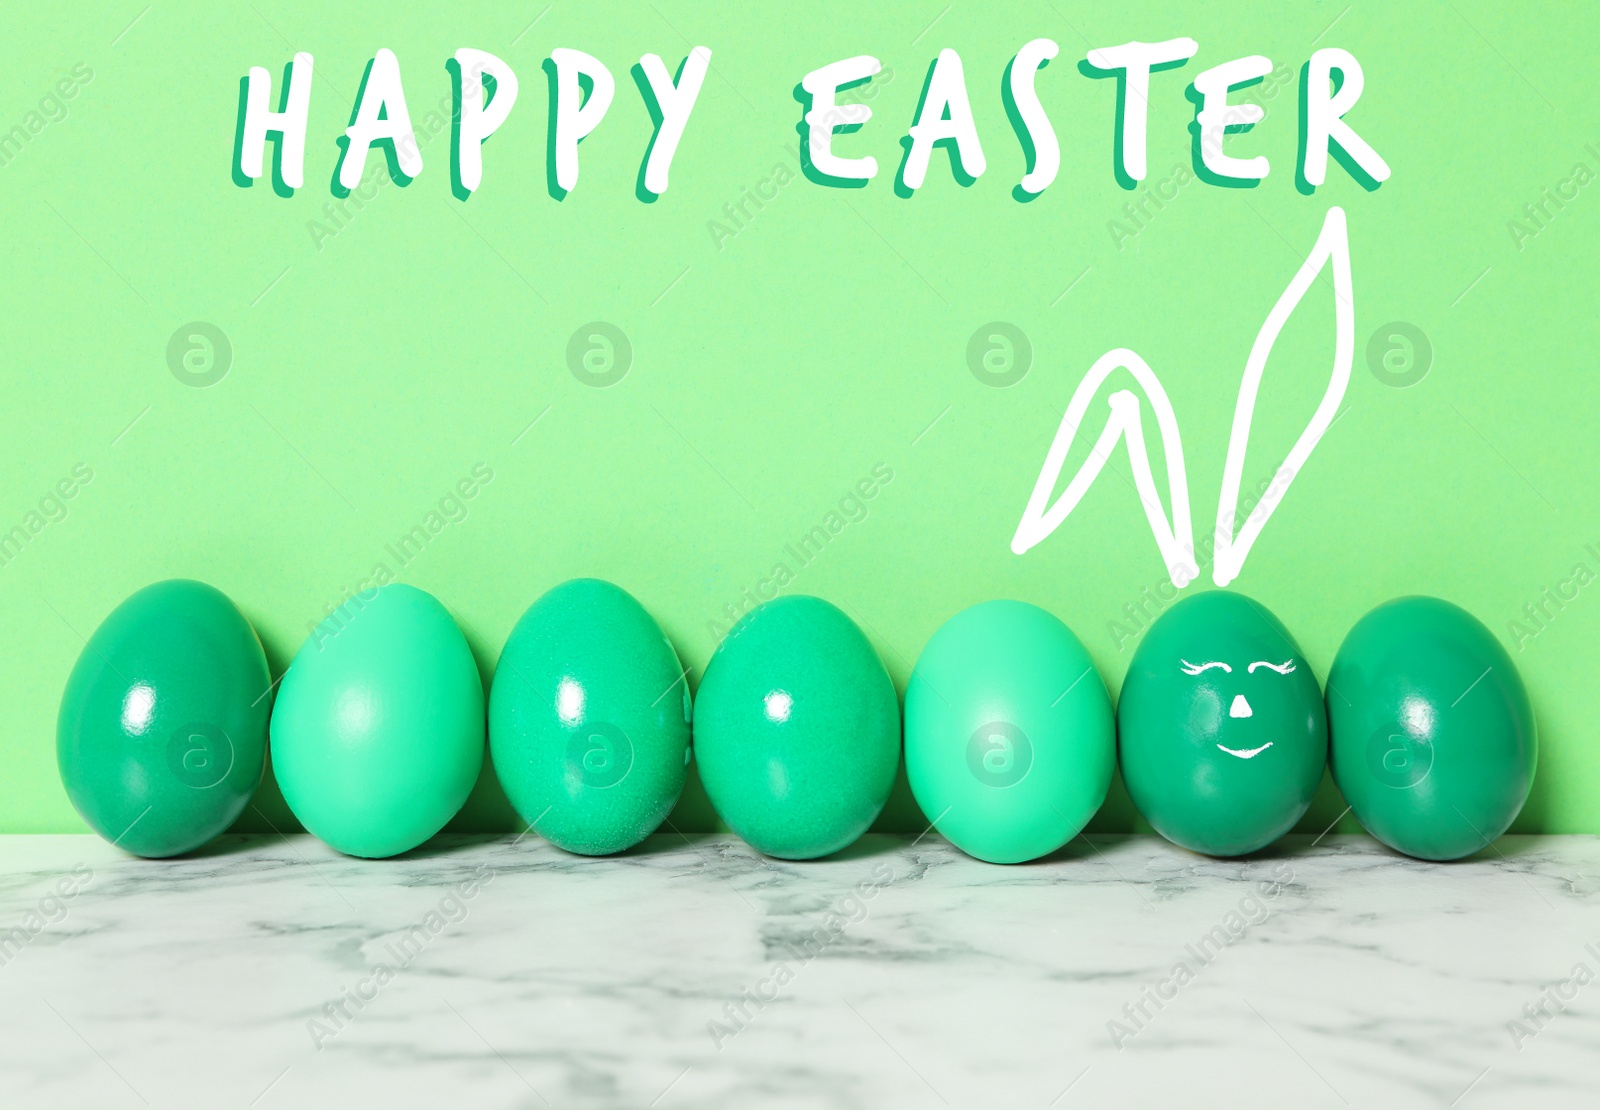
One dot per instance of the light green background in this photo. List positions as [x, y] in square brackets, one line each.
[774, 370]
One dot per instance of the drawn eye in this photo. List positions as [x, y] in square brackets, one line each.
[1282, 668]
[1198, 668]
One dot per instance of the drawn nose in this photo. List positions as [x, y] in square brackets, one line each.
[1240, 707]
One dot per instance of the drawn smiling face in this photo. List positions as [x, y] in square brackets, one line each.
[1223, 735]
[1239, 707]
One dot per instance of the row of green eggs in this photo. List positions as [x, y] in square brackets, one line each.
[1010, 738]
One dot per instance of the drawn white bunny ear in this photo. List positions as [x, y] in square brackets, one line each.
[1040, 518]
[1333, 245]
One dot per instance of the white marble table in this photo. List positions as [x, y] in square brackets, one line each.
[479, 972]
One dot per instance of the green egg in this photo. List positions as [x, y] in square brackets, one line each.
[1222, 733]
[589, 719]
[797, 729]
[378, 731]
[1434, 741]
[1010, 738]
[163, 727]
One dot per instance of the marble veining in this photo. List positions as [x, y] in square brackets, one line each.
[499, 972]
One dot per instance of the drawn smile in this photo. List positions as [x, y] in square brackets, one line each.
[1247, 753]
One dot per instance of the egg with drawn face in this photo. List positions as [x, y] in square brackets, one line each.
[1222, 733]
